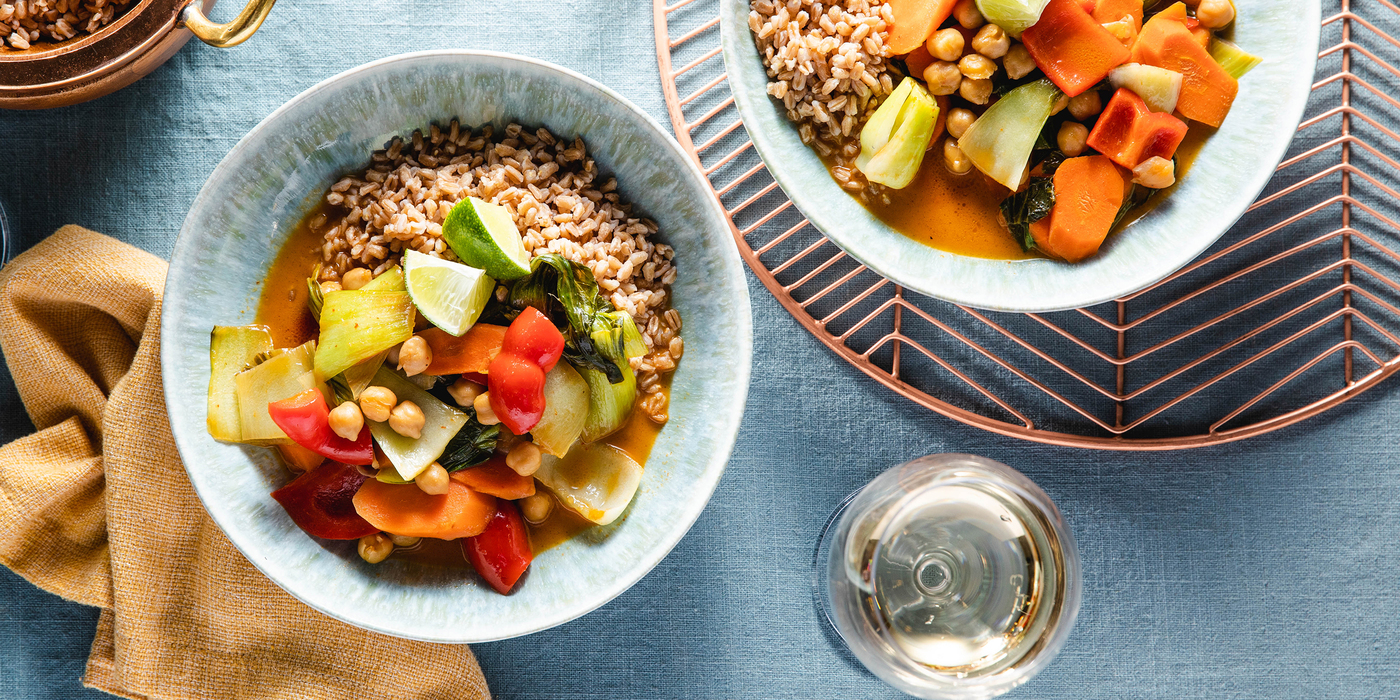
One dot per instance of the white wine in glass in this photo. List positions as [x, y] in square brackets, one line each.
[950, 577]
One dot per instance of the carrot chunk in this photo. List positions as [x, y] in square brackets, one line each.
[1207, 90]
[1088, 193]
[494, 478]
[404, 509]
[1073, 49]
[914, 21]
[1113, 10]
[471, 353]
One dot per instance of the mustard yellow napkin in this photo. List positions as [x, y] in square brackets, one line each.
[96, 508]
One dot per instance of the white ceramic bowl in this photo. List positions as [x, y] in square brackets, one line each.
[266, 184]
[1233, 167]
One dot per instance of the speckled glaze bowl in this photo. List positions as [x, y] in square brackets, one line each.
[280, 170]
[1233, 167]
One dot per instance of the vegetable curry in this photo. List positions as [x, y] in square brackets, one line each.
[284, 311]
[1007, 129]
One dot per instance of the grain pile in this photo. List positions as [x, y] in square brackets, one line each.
[26, 22]
[552, 188]
[826, 63]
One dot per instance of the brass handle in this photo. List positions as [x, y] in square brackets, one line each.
[231, 34]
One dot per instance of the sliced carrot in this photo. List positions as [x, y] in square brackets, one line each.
[472, 352]
[404, 509]
[1207, 91]
[917, 61]
[300, 458]
[1075, 51]
[1113, 10]
[914, 21]
[1040, 231]
[1088, 193]
[1201, 34]
[1089, 5]
[494, 478]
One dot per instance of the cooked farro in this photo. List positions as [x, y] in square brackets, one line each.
[827, 64]
[550, 185]
[27, 22]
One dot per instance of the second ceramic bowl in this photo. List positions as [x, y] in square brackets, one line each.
[1233, 167]
[282, 168]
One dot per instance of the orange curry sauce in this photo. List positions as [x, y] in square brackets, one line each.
[283, 309]
[960, 213]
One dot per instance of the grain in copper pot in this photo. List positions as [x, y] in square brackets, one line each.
[27, 22]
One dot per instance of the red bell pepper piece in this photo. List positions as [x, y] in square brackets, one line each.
[1073, 49]
[305, 419]
[321, 502]
[502, 553]
[515, 380]
[1130, 133]
[533, 336]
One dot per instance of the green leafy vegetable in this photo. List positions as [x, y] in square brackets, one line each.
[1028, 206]
[472, 445]
[596, 334]
[232, 349]
[314, 298]
[1137, 196]
[359, 325]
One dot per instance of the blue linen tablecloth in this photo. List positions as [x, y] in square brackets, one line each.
[1252, 570]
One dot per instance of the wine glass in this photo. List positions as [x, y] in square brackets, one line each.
[951, 577]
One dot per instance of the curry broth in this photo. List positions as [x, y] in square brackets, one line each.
[961, 214]
[283, 308]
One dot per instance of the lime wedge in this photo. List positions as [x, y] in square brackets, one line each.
[484, 235]
[448, 294]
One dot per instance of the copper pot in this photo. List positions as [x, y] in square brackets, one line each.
[89, 66]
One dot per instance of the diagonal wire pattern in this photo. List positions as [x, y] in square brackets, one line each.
[1292, 312]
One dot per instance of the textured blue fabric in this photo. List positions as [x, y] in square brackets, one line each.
[1252, 570]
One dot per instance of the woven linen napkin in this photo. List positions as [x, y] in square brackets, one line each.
[96, 508]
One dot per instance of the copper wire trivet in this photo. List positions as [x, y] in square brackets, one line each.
[1293, 312]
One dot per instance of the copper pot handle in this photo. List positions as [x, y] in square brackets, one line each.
[232, 33]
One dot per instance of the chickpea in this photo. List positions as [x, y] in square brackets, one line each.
[1072, 138]
[978, 92]
[967, 14]
[536, 508]
[1086, 105]
[415, 356]
[946, 44]
[376, 402]
[524, 459]
[407, 419]
[959, 120]
[954, 159]
[403, 540]
[464, 391]
[433, 480]
[328, 287]
[482, 405]
[1060, 105]
[1215, 14]
[356, 278]
[1156, 173]
[1018, 62]
[346, 420]
[977, 66]
[991, 41]
[375, 548]
[943, 78]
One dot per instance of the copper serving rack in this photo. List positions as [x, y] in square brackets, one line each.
[1294, 311]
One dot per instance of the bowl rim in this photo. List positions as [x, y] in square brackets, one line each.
[727, 435]
[933, 279]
